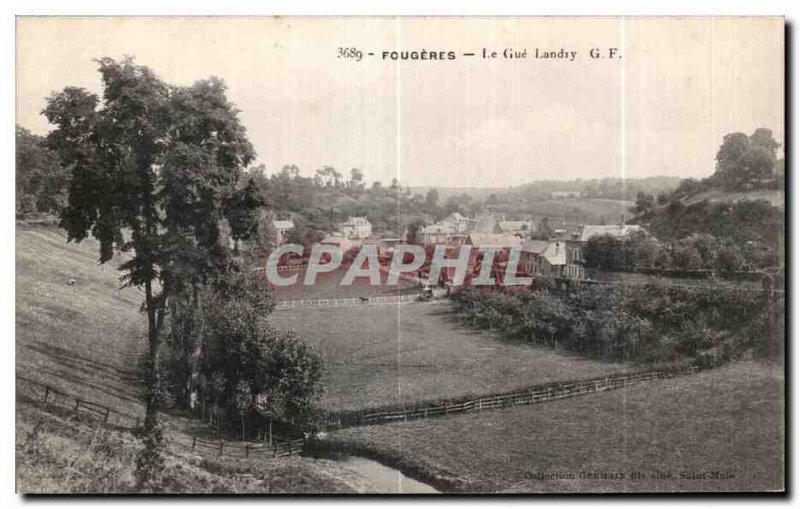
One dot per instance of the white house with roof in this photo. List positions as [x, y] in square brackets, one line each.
[282, 227]
[356, 228]
[458, 221]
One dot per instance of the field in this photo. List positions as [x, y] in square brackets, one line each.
[571, 211]
[729, 420]
[399, 353]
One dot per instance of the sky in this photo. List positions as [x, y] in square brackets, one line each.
[660, 106]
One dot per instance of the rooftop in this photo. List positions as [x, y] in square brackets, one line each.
[535, 246]
[498, 240]
[354, 220]
[282, 224]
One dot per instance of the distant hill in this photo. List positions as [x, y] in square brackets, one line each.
[568, 212]
[476, 193]
[606, 187]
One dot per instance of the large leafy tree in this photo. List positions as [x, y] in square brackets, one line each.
[152, 167]
[742, 159]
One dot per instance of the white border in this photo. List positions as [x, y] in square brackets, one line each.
[788, 8]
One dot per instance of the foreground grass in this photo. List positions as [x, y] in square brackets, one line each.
[726, 420]
[66, 455]
[400, 353]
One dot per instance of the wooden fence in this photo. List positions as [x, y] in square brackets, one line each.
[50, 396]
[532, 395]
[279, 448]
[282, 447]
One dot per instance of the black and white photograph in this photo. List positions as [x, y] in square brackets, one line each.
[399, 255]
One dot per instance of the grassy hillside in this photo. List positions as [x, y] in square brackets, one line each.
[726, 420]
[84, 339]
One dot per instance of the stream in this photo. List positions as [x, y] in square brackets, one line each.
[385, 479]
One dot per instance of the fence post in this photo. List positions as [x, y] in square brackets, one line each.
[194, 442]
[220, 447]
[247, 450]
[275, 449]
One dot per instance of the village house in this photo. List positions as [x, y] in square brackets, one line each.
[459, 223]
[282, 228]
[438, 233]
[562, 255]
[493, 240]
[550, 259]
[356, 228]
[591, 230]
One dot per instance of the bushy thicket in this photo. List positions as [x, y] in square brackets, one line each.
[699, 251]
[705, 325]
[221, 348]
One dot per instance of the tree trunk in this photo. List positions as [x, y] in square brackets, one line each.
[154, 344]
